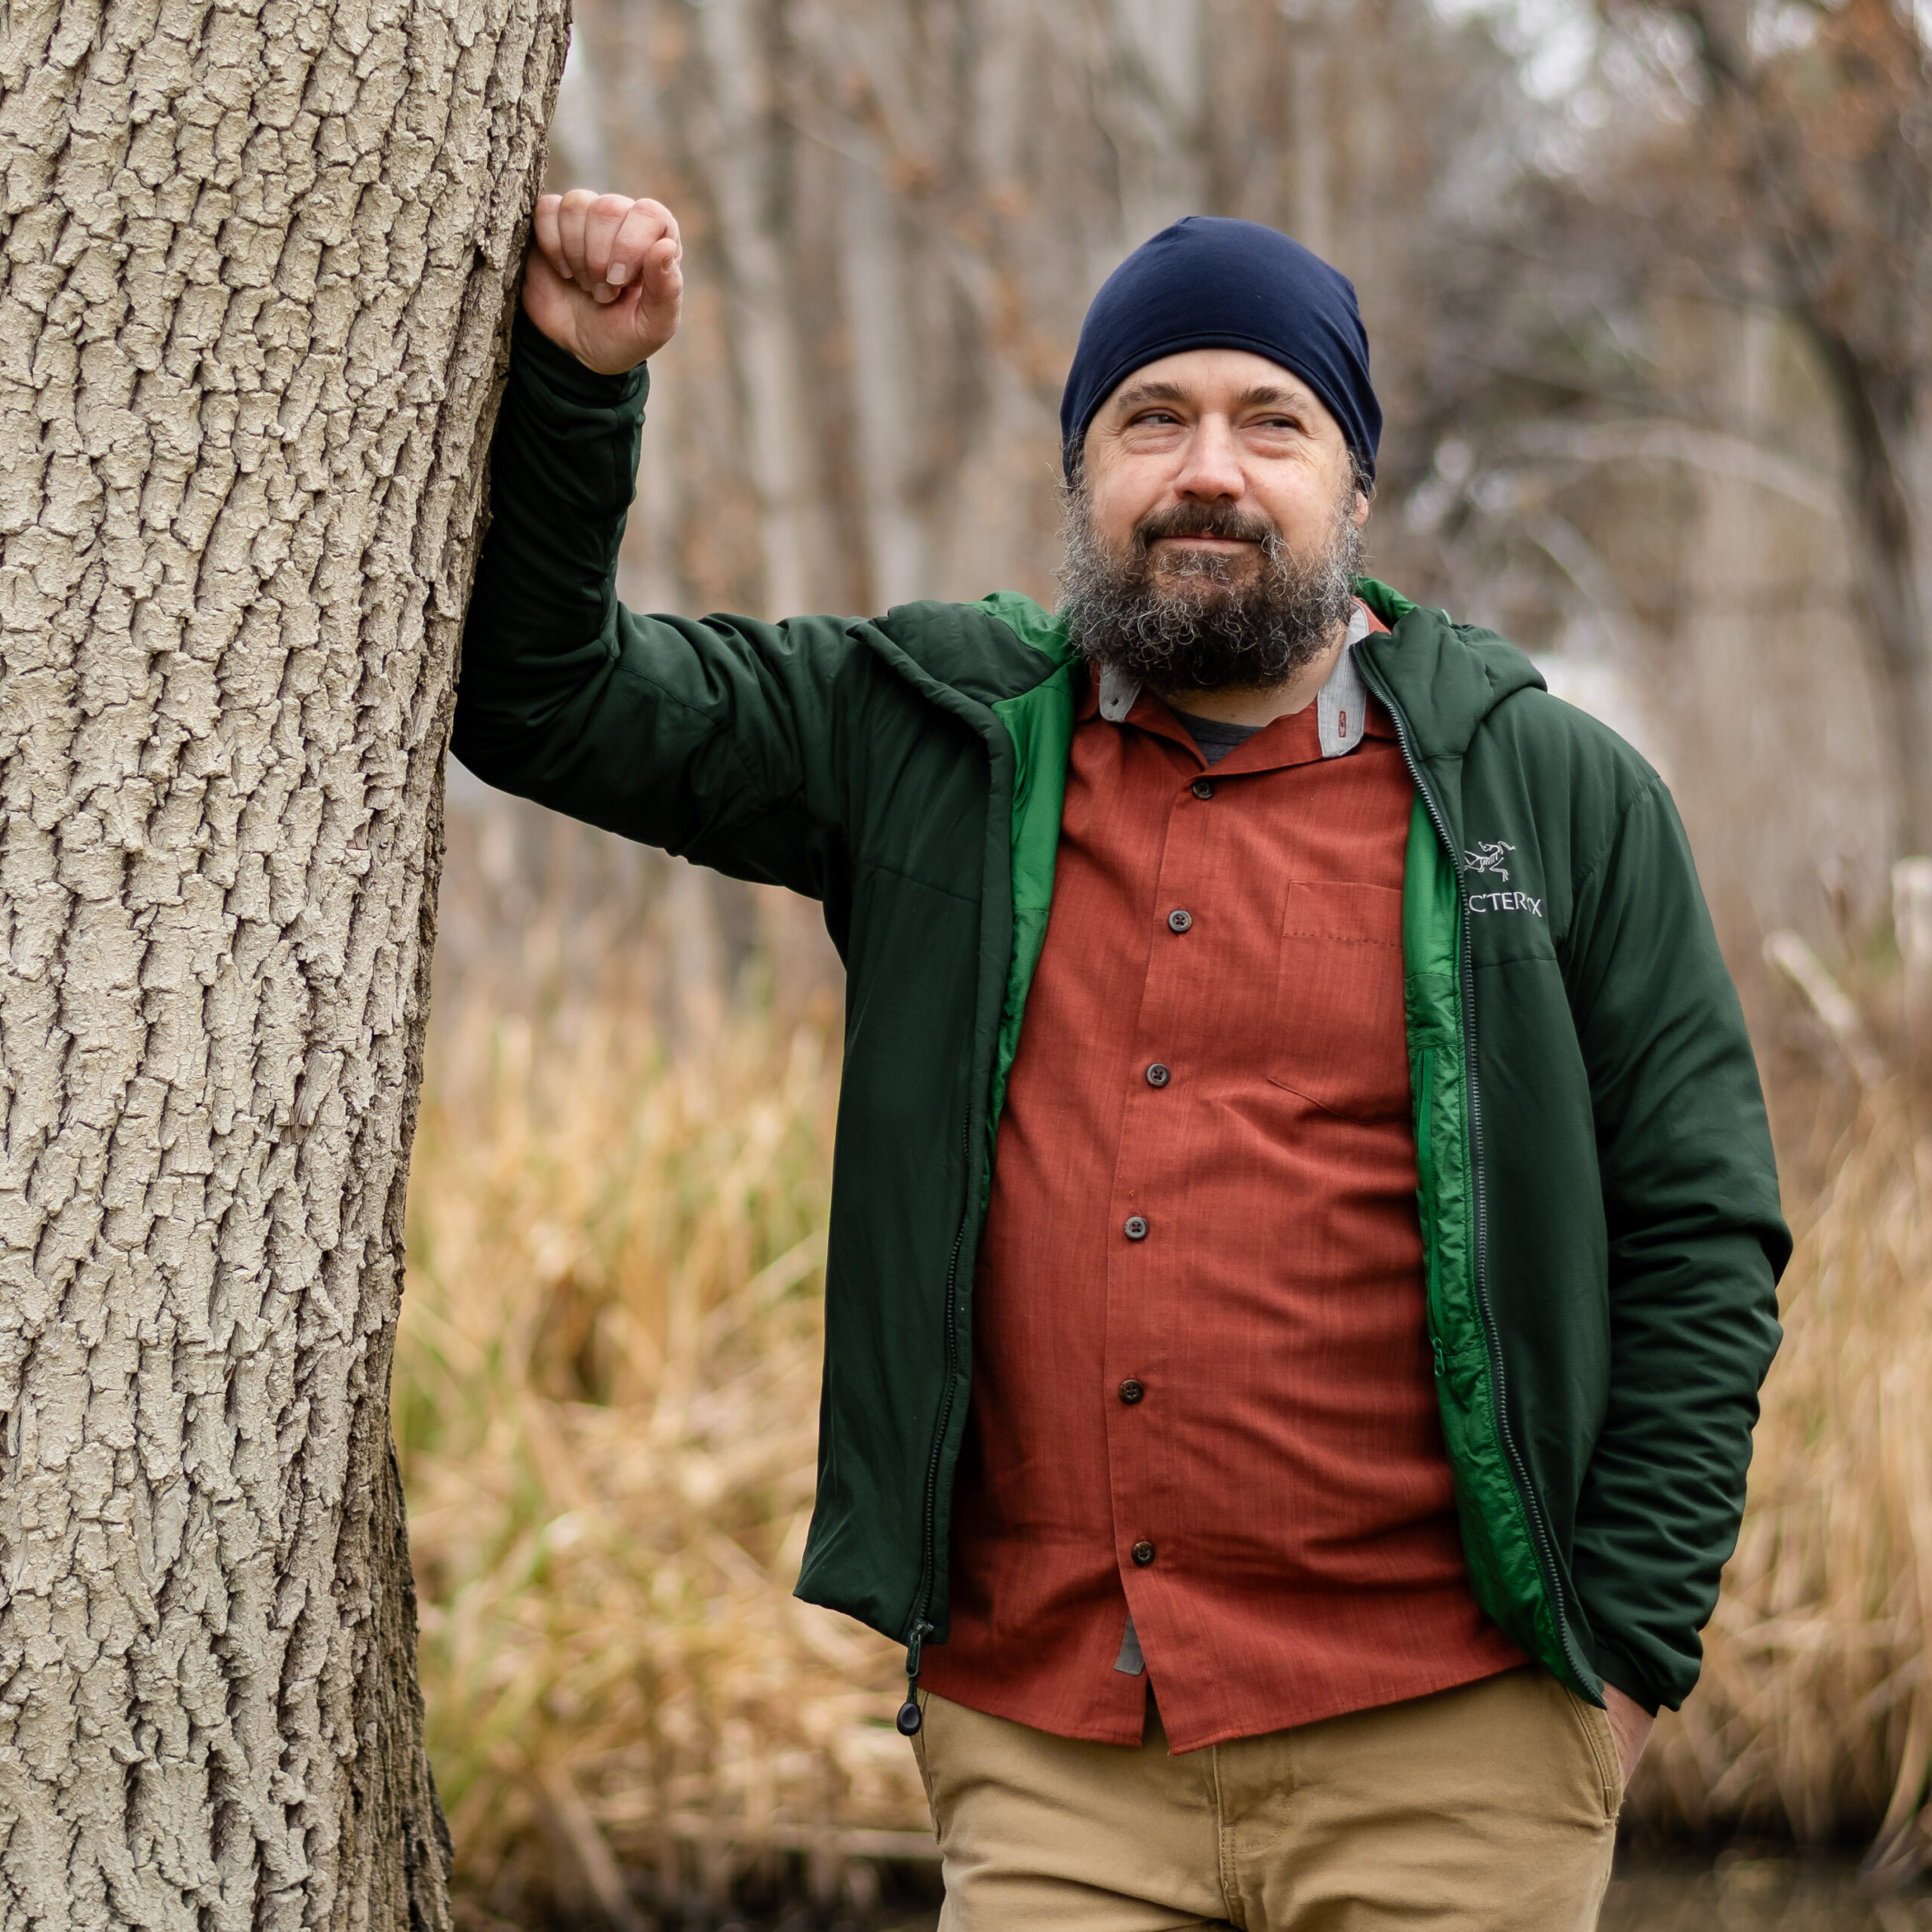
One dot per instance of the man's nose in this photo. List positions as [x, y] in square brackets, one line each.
[1211, 469]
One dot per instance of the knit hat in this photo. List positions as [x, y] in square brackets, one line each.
[1210, 283]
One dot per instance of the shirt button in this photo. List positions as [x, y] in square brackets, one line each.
[1202, 788]
[1143, 1553]
[1158, 1075]
[1179, 922]
[1131, 1391]
[1135, 1228]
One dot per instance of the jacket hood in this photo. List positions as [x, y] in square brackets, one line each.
[1446, 678]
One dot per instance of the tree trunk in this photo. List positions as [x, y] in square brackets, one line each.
[747, 180]
[256, 268]
[885, 389]
[1880, 412]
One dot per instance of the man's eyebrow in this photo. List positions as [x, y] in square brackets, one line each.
[1265, 396]
[1140, 394]
[1262, 395]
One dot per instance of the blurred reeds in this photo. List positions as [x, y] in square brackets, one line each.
[606, 1396]
[1813, 1717]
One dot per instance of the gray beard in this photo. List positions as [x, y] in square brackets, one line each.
[1207, 625]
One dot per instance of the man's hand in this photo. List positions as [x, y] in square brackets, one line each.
[606, 279]
[1630, 1725]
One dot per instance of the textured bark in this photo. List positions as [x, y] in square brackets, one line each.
[256, 261]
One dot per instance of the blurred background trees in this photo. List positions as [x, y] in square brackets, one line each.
[1649, 288]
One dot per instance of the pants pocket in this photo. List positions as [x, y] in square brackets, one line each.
[1593, 1722]
[919, 1759]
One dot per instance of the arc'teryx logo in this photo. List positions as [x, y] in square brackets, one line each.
[1488, 858]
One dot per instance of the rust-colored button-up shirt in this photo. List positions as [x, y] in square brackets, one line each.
[1203, 1390]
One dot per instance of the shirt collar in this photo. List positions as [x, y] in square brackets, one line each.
[1341, 705]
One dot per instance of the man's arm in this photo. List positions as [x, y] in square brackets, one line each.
[718, 738]
[1696, 1244]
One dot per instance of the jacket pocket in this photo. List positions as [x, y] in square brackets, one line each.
[1339, 1037]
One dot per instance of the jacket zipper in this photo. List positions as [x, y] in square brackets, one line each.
[1519, 1470]
[909, 1719]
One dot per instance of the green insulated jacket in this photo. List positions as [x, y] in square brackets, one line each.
[1598, 1199]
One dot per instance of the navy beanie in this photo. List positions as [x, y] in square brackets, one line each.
[1210, 283]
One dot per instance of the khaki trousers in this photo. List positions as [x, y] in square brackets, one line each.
[1490, 1808]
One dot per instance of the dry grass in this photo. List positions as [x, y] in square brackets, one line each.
[607, 1390]
[1814, 1714]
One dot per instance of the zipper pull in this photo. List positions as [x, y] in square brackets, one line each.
[909, 1719]
[1436, 1348]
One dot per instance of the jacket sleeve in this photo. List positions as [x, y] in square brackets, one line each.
[721, 739]
[1696, 1246]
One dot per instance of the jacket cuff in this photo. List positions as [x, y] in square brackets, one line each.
[1615, 1666]
[533, 353]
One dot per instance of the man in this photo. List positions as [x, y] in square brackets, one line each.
[1304, 1231]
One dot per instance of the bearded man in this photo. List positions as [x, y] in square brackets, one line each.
[1304, 1229]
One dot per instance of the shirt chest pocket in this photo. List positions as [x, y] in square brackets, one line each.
[1339, 1036]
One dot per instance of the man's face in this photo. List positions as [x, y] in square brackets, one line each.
[1220, 430]
[1215, 529]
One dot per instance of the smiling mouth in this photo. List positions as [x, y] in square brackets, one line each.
[1181, 530]
[1169, 554]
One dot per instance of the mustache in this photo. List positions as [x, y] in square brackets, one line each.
[1223, 520]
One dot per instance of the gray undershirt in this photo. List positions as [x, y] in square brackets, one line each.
[1215, 738]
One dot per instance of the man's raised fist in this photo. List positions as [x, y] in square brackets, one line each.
[606, 279]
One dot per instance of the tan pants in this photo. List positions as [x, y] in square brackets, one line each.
[1491, 1808]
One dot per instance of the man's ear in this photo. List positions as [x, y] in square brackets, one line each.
[1359, 515]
